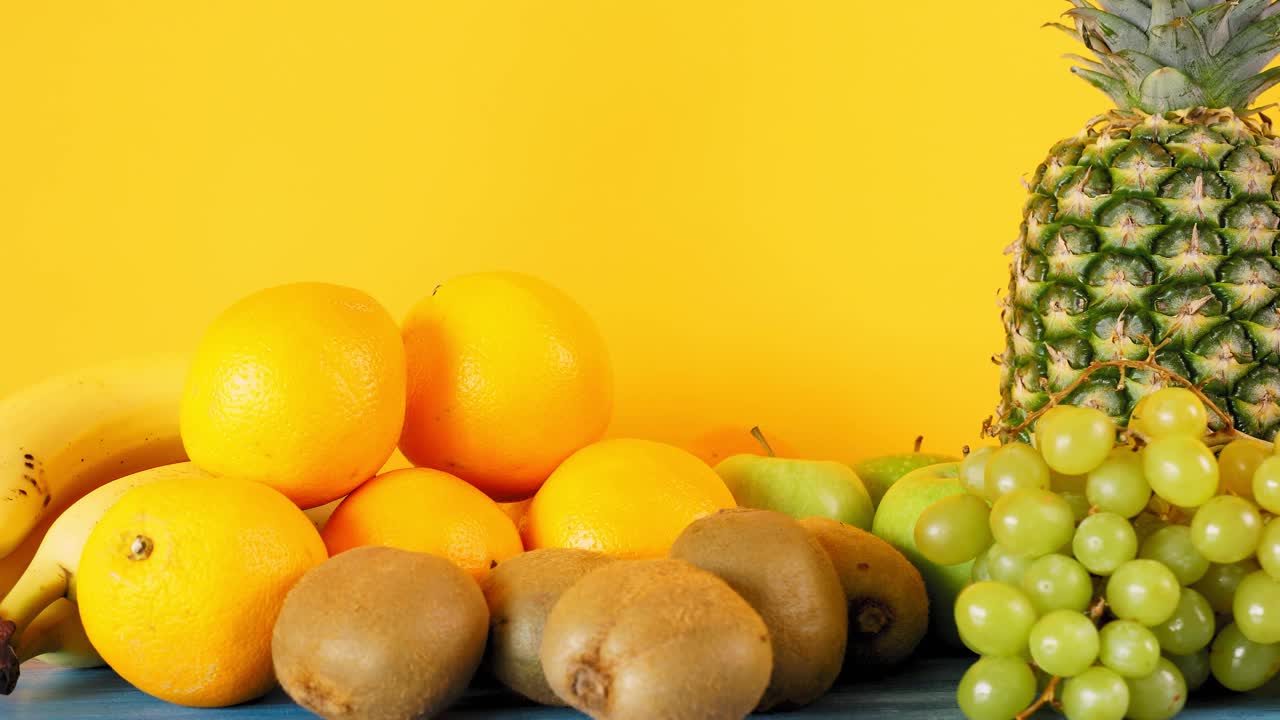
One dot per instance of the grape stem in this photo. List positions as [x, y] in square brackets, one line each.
[1004, 432]
[1050, 694]
[1047, 697]
[1098, 607]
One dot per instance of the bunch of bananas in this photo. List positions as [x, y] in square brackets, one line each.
[69, 447]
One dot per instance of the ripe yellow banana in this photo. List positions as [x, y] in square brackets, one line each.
[65, 436]
[58, 638]
[51, 576]
[12, 567]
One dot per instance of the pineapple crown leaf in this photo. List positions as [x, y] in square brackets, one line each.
[1163, 55]
[1132, 11]
[1258, 84]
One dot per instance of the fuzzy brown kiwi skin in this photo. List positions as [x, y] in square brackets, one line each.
[781, 571]
[521, 592]
[377, 633]
[644, 639]
[887, 600]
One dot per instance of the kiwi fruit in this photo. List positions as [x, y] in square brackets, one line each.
[377, 633]
[887, 600]
[521, 592]
[780, 570]
[643, 639]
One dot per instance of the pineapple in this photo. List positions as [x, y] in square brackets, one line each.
[1153, 232]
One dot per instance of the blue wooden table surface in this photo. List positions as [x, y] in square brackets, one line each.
[922, 691]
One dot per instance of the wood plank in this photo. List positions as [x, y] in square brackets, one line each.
[922, 691]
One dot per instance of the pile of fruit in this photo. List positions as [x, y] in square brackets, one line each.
[210, 527]
[1110, 580]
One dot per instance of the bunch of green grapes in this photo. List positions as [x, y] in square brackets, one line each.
[1110, 579]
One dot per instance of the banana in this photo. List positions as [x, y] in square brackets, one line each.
[58, 638]
[12, 567]
[51, 576]
[67, 435]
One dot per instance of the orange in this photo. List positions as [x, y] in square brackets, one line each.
[717, 443]
[508, 376]
[181, 580]
[629, 498]
[426, 511]
[300, 387]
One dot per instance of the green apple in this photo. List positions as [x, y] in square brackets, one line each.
[895, 522]
[799, 488]
[879, 473]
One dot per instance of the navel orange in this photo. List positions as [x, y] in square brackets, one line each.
[425, 511]
[301, 387]
[508, 376]
[181, 580]
[625, 497]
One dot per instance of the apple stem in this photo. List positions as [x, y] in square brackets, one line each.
[919, 442]
[759, 436]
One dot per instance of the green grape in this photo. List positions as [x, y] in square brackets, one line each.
[1190, 628]
[1269, 549]
[1118, 485]
[1007, 566]
[1172, 546]
[1064, 643]
[1219, 583]
[1266, 485]
[1226, 529]
[996, 688]
[1256, 607]
[973, 470]
[980, 570]
[1057, 582]
[1134, 424]
[1241, 664]
[953, 530]
[1095, 694]
[1158, 696]
[1032, 522]
[1078, 503]
[1194, 667]
[1074, 440]
[1013, 466]
[1143, 590]
[994, 618]
[1181, 470]
[1104, 542]
[1237, 462]
[1172, 411]
[1129, 648]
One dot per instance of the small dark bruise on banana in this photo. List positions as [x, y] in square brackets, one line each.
[32, 476]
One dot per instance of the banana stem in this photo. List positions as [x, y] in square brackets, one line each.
[8, 658]
[29, 597]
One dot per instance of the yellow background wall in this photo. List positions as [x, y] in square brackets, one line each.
[785, 213]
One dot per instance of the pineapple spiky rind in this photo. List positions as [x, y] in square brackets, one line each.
[1153, 232]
